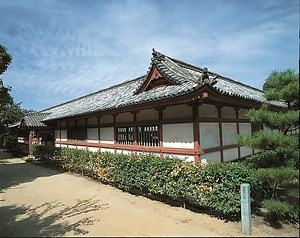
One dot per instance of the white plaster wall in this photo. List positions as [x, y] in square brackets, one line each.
[245, 151]
[71, 123]
[64, 135]
[58, 145]
[230, 154]
[107, 150]
[81, 122]
[242, 113]
[207, 110]
[266, 128]
[209, 135]
[228, 112]
[245, 128]
[63, 146]
[106, 119]
[93, 149]
[187, 158]
[92, 135]
[149, 114]
[125, 152]
[81, 147]
[72, 146]
[92, 121]
[56, 135]
[212, 157]
[178, 135]
[123, 117]
[148, 153]
[229, 132]
[107, 135]
[178, 111]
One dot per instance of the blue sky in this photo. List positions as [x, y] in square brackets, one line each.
[64, 49]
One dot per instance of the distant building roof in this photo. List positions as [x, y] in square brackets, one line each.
[31, 120]
[185, 79]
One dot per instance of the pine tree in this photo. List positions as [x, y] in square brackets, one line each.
[278, 162]
[282, 141]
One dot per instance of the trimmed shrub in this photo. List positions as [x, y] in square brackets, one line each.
[214, 186]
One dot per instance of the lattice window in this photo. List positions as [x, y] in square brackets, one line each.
[125, 135]
[148, 135]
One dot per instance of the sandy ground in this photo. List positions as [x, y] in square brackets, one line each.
[39, 201]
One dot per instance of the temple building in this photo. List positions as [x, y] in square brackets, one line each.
[175, 109]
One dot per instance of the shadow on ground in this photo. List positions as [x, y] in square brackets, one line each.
[49, 219]
[15, 171]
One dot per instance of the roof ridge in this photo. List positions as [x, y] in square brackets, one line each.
[223, 77]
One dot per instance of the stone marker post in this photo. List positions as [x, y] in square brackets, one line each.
[246, 208]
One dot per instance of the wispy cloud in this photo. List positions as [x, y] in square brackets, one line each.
[66, 49]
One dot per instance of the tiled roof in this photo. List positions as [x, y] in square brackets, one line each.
[35, 119]
[187, 78]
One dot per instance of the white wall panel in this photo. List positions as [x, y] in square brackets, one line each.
[207, 110]
[80, 147]
[209, 135]
[245, 151]
[178, 135]
[230, 154]
[212, 157]
[81, 122]
[242, 113]
[125, 152]
[187, 158]
[93, 149]
[149, 114]
[124, 117]
[229, 132]
[92, 121]
[57, 135]
[107, 135]
[64, 135]
[228, 112]
[106, 119]
[107, 150]
[178, 111]
[245, 128]
[92, 135]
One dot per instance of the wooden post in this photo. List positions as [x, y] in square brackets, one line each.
[246, 208]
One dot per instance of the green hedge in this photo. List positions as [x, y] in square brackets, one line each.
[214, 186]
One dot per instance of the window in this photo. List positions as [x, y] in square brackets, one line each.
[77, 134]
[72, 134]
[125, 135]
[148, 135]
[81, 134]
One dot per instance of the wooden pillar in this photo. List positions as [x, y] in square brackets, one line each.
[30, 138]
[160, 129]
[99, 138]
[115, 131]
[220, 131]
[196, 132]
[238, 129]
[135, 133]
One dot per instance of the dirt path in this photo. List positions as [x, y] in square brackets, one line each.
[38, 201]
